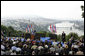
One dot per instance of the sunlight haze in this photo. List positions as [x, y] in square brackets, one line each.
[47, 9]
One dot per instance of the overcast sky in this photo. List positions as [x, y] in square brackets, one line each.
[48, 9]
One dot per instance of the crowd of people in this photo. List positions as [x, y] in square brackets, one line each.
[37, 47]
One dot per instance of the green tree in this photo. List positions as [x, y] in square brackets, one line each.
[11, 31]
[75, 35]
[59, 37]
[3, 28]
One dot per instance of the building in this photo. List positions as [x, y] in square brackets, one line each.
[64, 25]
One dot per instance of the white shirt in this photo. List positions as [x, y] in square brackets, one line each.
[76, 46]
[40, 47]
[54, 43]
[18, 49]
[13, 47]
[2, 47]
[46, 46]
[2, 53]
[13, 53]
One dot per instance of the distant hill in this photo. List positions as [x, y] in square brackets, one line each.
[19, 23]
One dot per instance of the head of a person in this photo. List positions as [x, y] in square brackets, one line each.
[66, 46]
[63, 31]
[59, 45]
[46, 46]
[70, 52]
[65, 42]
[33, 52]
[56, 53]
[52, 46]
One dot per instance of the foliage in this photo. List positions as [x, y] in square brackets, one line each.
[10, 32]
[75, 35]
[59, 38]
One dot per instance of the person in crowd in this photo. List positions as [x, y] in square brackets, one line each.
[11, 46]
[8, 51]
[52, 49]
[13, 53]
[54, 43]
[34, 46]
[79, 52]
[66, 50]
[3, 50]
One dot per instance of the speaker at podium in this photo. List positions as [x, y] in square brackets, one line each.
[32, 36]
[27, 35]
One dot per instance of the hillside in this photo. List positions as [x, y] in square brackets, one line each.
[39, 23]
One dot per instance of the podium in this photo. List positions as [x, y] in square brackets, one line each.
[27, 35]
[32, 36]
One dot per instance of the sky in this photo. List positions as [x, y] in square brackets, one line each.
[68, 10]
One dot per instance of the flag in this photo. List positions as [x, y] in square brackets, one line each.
[54, 27]
[26, 29]
[31, 29]
[51, 28]
[28, 25]
[31, 26]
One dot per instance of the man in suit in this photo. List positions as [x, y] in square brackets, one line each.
[63, 36]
